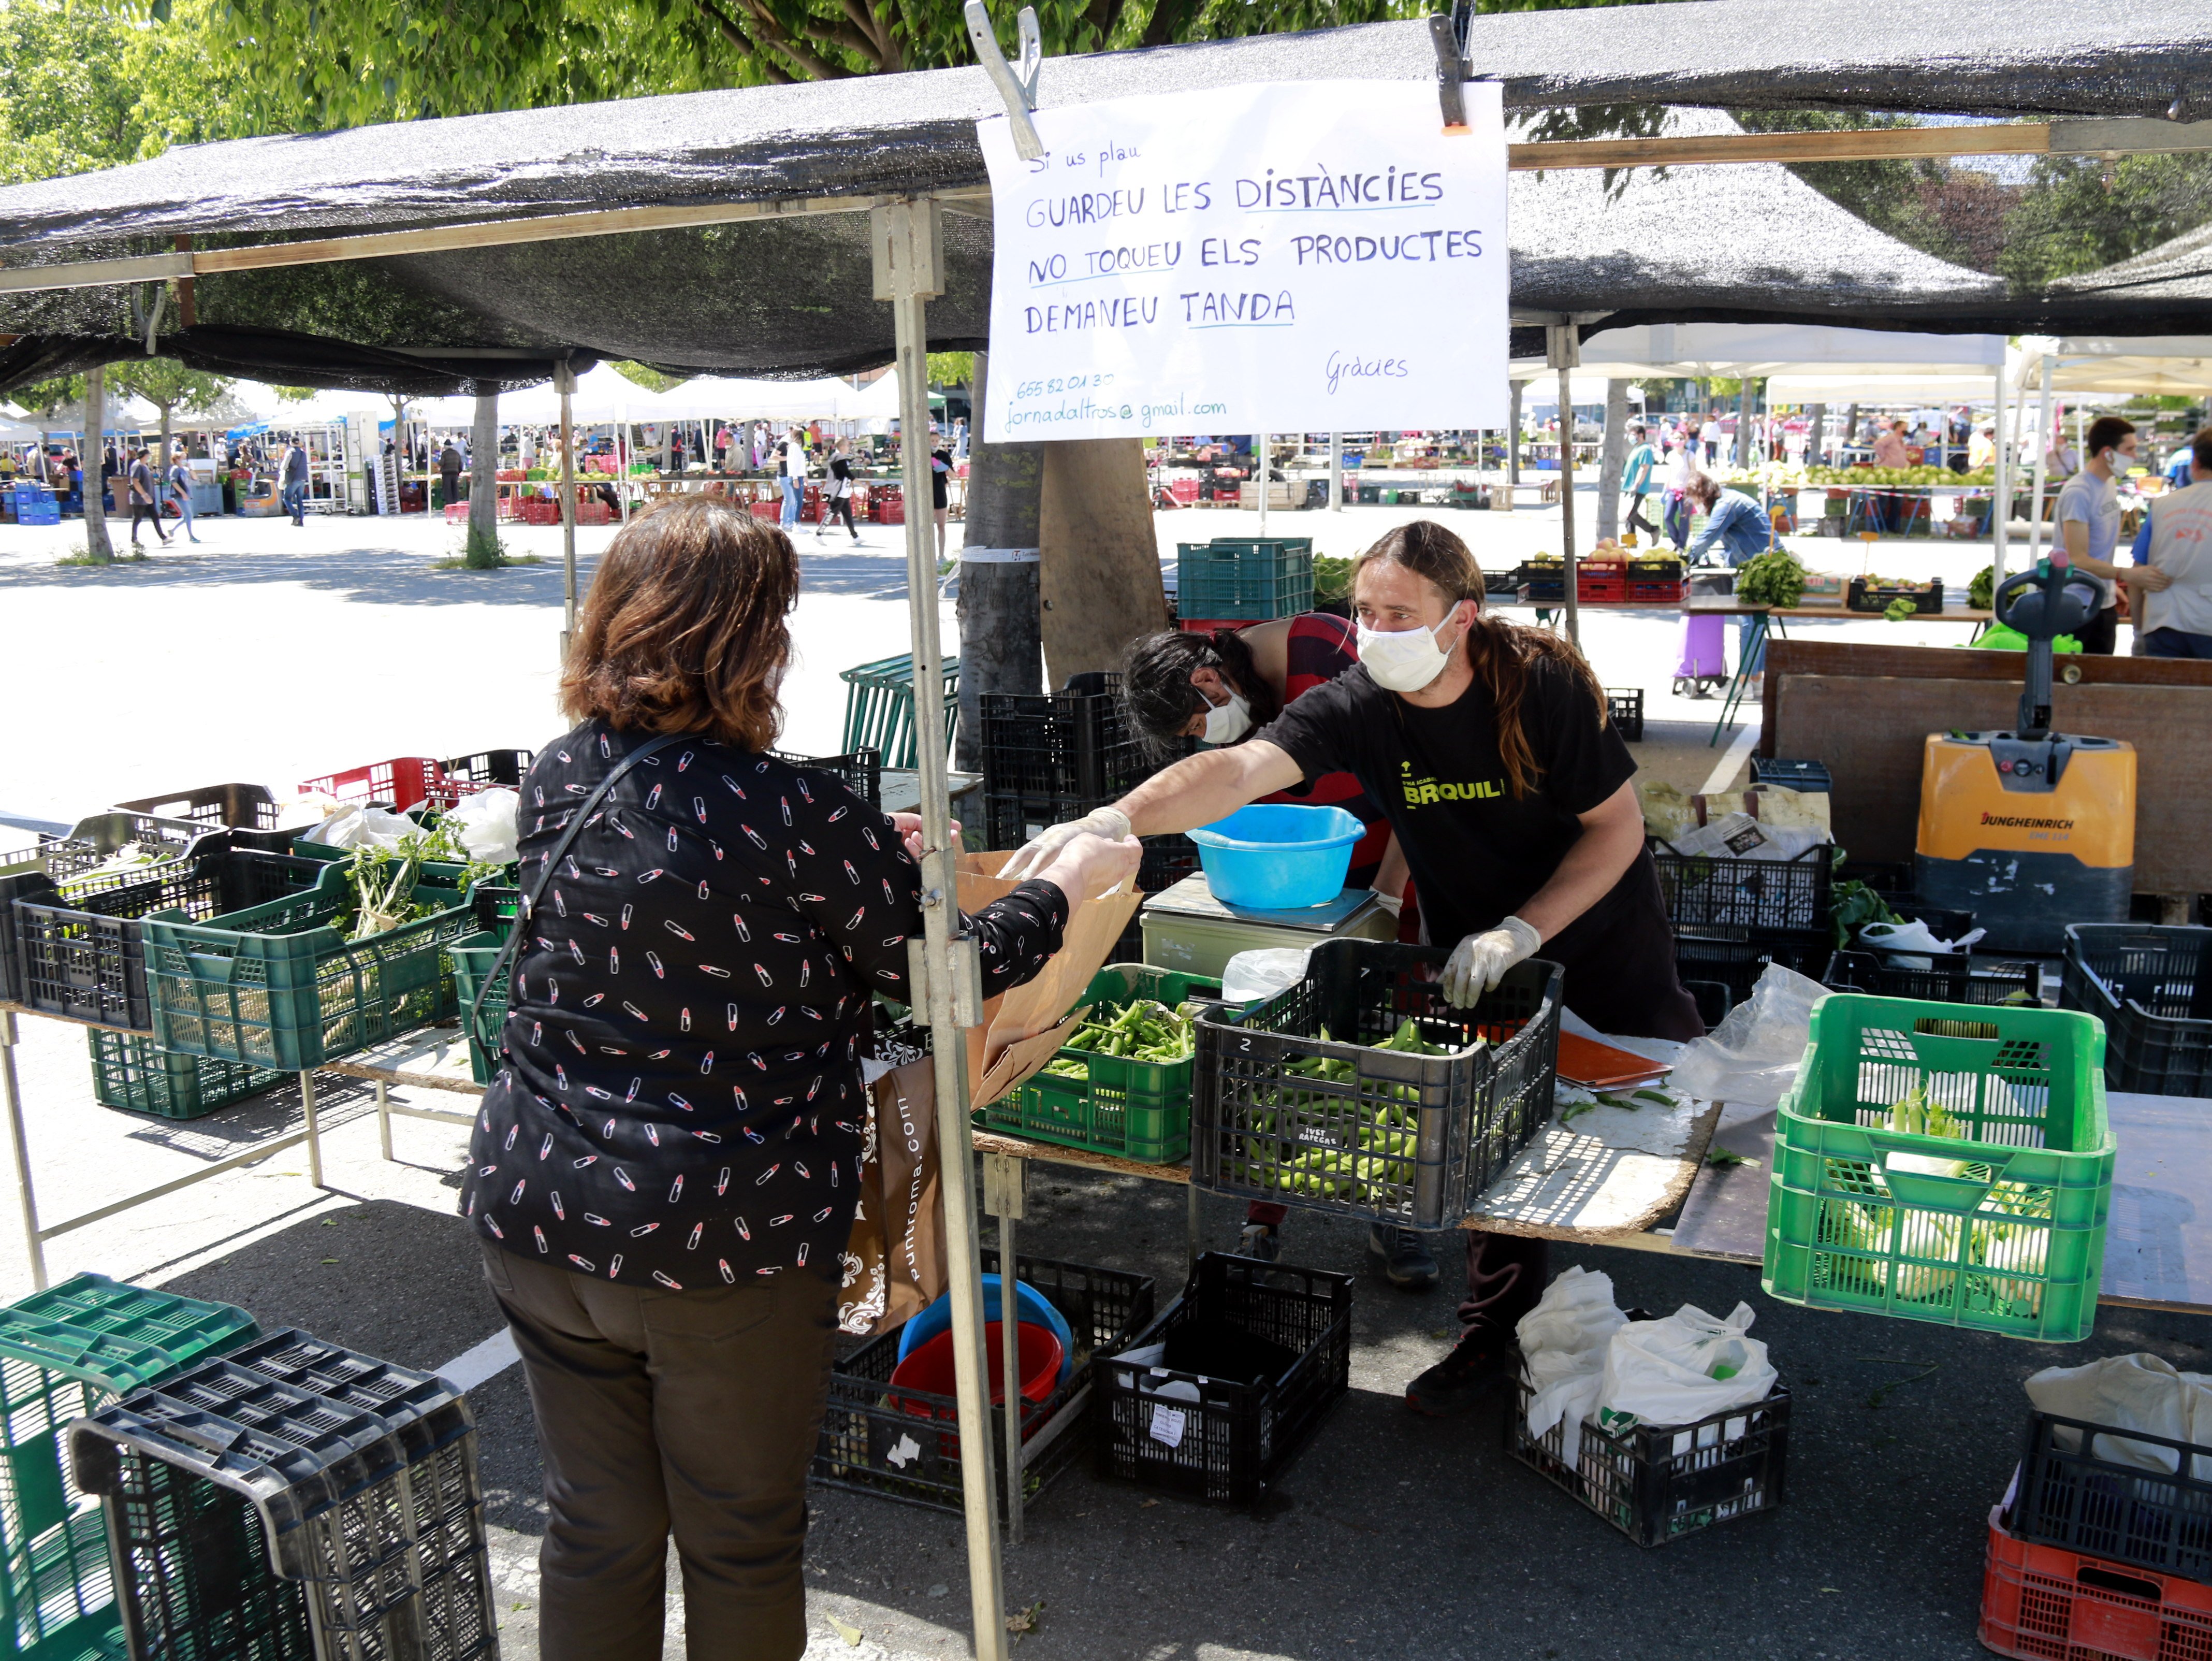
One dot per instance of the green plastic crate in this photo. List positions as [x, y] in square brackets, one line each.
[1139, 1110]
[2000, 1231]
[1242, 578]
[879, 707]
[496, 908]
[64, 1353]
[276, 985]
[131, 1072]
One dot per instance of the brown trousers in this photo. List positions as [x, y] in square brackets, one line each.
[691, 1412]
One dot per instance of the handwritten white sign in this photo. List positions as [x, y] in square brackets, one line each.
[1319, 256]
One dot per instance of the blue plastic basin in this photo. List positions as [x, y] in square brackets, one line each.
[1277, 856]
[1031, 1305]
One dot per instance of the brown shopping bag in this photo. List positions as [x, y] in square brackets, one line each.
[895, 1263]
[1023, 1027]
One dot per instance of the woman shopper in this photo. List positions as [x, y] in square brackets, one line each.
[1739, 528]
[837, 495]
[180, 490]
[664, 1174]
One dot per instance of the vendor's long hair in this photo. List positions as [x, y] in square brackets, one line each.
[1503, 654]
[1155, 691]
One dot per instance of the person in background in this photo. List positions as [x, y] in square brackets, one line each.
[1889, 442]
[2060, 461]
[1982, 447]
[837, 494]
[2179, 474]
[940, 480]
[143, 487]
[292, 481]
[181, 492]
[1740, 529]
[791, 476]
[1674, 502]
[2088, 515]
[449, 470]
[2170, 584]
[1636, 481]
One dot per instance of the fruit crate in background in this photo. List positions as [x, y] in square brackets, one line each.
[1243, 578]
[1180, 1423]
[134, 1073]
[2043, 1602]
[879, 707]
[465, 776]
[1658, 1482]
[64, 1353]
[1074, 745]
[1624, 709]
[2000, 1230]
[276, 985]
[403, 783]
[1736, 957]
[83, 958]
[293, 1499]
[1961, 977]
[1860, 595]
[2152, 988]
[1135, 1110]
[860, 772]
[1704, 891]
[217, 806]
[1406, 1139]
[2076, 1490]
[1811, 775]
[906, 1445]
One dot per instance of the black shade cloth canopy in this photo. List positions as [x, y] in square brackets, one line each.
[791, 295]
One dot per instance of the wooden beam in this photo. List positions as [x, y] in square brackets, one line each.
[1861, 144]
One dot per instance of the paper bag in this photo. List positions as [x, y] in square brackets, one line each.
[895, 1263]
[1023, 1027]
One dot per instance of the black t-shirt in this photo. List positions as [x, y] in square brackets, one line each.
[940, 470]
[1477, 853]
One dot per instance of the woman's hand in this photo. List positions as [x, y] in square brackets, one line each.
[1085, 866]
[908, 826]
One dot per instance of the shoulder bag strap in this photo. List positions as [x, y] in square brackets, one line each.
[584, 811]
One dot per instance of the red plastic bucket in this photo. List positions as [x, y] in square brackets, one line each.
[930, 1367]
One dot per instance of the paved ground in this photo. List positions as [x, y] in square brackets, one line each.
[270, 653]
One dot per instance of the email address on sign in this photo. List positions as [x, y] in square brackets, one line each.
[1090, 409]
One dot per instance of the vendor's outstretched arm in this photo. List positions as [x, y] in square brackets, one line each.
[1613, 836]
[1201, 789]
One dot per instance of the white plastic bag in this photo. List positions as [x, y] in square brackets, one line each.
[353, 827]
[1263, 973]
[2131, 1392]
[1670, 1371]
[1750, 1059]
[485, 823]
[1909, 945]
[1562, 1343]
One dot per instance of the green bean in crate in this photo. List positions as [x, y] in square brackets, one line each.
[1360, 1091]
[1941, 1163]
[281, 985]
[1121, 1085]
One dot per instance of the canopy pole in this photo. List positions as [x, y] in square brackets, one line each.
[906, 246]
[1260, 472]
[2042, 469]
[1335, 472]
[2000, 490]
[1565, 351]
[564, 379]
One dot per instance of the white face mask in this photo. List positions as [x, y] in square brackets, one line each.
[1404, 661]
[1226, 723]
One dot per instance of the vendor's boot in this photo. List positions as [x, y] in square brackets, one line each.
[1463, 1378]
[1399, 1256]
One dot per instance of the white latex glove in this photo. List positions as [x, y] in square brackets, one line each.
[1034, 855]
[1479, 962]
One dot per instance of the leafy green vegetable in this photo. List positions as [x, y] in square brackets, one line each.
[1982, 591]
[1899, 609]
[1773, 578]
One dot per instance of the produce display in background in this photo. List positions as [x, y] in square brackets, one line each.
[1982, 591]
[1854, 905]
[1783, 476]
[383, 879]
[1900, 611]
[1774, 578]
[1332, 578]
[1145, 1031]
[131, 856]
[1387, 1133]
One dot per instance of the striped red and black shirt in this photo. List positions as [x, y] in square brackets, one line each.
[1320, 647]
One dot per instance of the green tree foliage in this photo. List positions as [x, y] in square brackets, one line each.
[951, 368]
[645, 376]
[167, 385]
[2078, 213]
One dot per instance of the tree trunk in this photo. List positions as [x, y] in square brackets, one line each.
[161, 472]
[483, 481]
[1000, 645]
[1816, 435]
[1851, 422]
[1513, 433]
[96, 543]
[1747, 398]
[1100, 577]
[1612, 460]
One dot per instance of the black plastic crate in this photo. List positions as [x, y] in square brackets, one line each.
[1502, 584]
[1658, 1482]
[465, 776]
[70, 860]
[1192, 1429]
[905, 1444]
[1703, 890]
[861, 771]
[1811, 775]
[1406, 1139]
[1074, 745]
[218, 807]
[294, 1489]
[82, 956]
[2152, 987]
[1735, 957]
[1860, 595]
[1624, 709]
[2070, 1493]
[1967, 977]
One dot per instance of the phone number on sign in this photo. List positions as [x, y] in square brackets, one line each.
[1079, 383]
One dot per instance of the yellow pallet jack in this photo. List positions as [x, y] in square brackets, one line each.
[2030, 830]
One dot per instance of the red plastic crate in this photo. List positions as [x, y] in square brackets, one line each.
[888, 511]
[595, 512]
[1657, 594]
[767, 510]
[2047, 1603]
[456, 512]
[537, 510]
[405, 780]
[1183, 489]
[1600, 591]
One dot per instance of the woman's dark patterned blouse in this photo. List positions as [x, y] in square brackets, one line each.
[680, 1102]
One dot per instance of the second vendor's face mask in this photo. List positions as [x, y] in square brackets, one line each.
[1404, 661]
[1229, 720]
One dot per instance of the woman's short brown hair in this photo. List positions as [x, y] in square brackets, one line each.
[683, 630]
